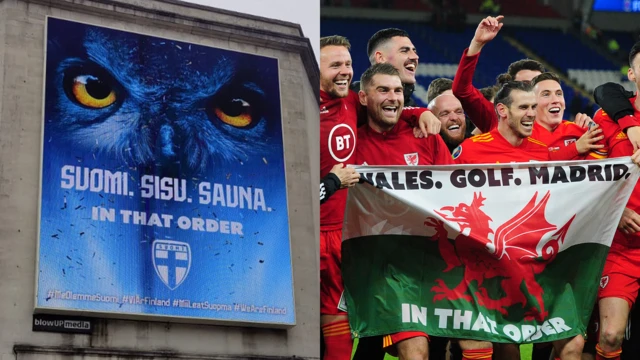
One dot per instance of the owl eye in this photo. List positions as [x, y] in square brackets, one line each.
[91, 91]
[235, 112]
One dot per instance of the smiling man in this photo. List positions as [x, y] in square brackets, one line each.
[511, 141]
[566, 140]
[338, 119]
[393, 46]
[448, 109]
[339, 109]
[517, 107]
[386, 141]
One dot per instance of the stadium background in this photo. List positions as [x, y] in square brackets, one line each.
[569, 37]
[586, 42]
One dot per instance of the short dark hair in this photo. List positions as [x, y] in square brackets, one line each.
[488, 92]
[502, 79]
[381, 37]
[504, 94]
[335, 40]
[382, 68]
[635, 50]
[437, 87]
[524, 64]
[545, 76]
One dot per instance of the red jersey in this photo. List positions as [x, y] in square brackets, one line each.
[562, 142]
[483, 115]
[480, 110]
[617, 143]
[338, 119]
[398, 146]
[492, 147]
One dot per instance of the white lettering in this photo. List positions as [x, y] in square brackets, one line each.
[481, 324]
[443, 315]
[559, 325]
[419, 315]
[464, 320]
[406, 313]
[528, 331]
[512, 331]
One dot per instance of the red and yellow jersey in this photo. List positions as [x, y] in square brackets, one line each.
[562, 142]
[613, 133]
[400, 147]
[619, 146]
[492, 147]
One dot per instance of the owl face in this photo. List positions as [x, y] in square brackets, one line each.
[164, 105]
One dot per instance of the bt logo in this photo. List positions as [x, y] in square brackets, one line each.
[342, 142]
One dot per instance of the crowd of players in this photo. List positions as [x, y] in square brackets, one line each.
[518, 120]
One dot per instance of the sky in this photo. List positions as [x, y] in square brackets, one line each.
[303, 12]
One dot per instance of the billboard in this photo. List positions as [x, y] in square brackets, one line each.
[163, 180]
[617, 5]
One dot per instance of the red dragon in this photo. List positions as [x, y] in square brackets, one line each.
[516, 252]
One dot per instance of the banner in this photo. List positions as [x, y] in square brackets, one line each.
[163, 180]
[502, 253]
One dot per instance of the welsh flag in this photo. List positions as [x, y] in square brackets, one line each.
[503, 252]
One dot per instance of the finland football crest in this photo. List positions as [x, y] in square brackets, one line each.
[172, 261]
[411, 159]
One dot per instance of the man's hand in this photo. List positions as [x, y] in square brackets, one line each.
[428, 124]
[348, 176]
[629, 222]
[633, 133]
[636, 157]
[582, 120]
[588, 141]
[487, 30]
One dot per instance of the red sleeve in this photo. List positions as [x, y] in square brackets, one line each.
[622, 148]
[569, 152]
[440, 151]
[628, 121]
[480, 110]
[411, 115]
[615, 139]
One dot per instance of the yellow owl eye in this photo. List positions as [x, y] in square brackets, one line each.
[236, 112]
[92, 92]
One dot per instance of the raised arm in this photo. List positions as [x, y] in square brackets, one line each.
[480, 110]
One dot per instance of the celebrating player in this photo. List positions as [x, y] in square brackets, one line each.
[339, 108]
[516, 107]
[479, 109]
[448, 109]
[338, 118]
[621, 276]
[566, 140]
[394, 46]
[386, 141]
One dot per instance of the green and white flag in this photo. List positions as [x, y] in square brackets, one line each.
[503, 252]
